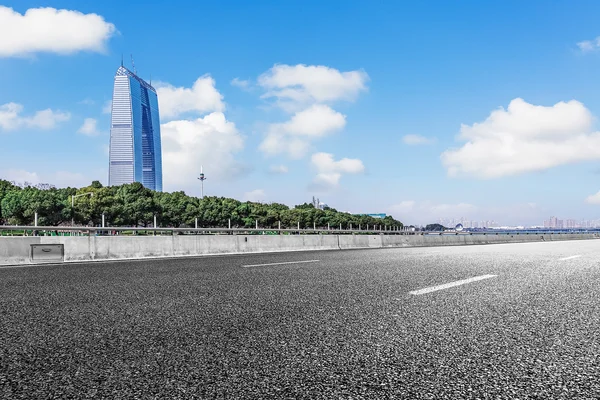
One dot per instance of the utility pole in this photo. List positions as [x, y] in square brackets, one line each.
[201, 178]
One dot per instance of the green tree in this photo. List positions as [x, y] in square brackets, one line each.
[12, 208]
[173, 208]
[435, 227]
[5, 188]
[19, 206]
[96, 185]
[136, 205]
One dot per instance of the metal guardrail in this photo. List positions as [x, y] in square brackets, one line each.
[89, 230]
[249, 231]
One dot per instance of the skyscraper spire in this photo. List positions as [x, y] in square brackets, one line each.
[133, 65]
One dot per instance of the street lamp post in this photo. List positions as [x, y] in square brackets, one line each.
[73, 204]
[201, 178]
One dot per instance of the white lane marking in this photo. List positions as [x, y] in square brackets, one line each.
[570, 258]
[451, 284]
[280, 263]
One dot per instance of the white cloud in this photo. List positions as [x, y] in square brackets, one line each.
[89, 127]
[417, 140]
[51, 30]
[593, 199]
[317, 120]
[329, 171]
[275, 143]
[67, 178]
[107, 107]
[404, 207]
[307, 92]
[278, 169]
[47, 119]
[524, 138]
[87, 101]
[297, 86]
[202, 97]
[209, 141]
[11, 119]
[307, 84]
[587, 46]
[21, 176]
[256, 196]
[58, 179]
[294, 136]
[241, 83]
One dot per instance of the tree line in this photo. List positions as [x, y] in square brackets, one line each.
[134, 205]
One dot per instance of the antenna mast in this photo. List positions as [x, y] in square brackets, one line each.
[133, 65]
[201, 178]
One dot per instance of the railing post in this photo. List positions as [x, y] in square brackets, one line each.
[340, 226]
[298, 226]
[230, 223]
[35, 219]
[279, 224]
[103, 221]
[256, 224]
[314, 226]
[328, 226]
[196, 223]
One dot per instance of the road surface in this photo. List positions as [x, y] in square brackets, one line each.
[490, 322]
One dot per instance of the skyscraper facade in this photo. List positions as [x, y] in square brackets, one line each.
[135, 147]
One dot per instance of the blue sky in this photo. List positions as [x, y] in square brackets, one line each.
[362, 104]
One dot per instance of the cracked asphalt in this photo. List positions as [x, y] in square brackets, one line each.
[344, 326]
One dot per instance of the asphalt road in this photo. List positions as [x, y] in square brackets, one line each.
[340, 324]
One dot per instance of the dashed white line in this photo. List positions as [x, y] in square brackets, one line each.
[280, 263]
[451, 284]
[570, 258]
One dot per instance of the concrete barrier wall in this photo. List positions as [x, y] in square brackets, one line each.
[454, 240]
[16, 250]
[81, 248]
[360, 241]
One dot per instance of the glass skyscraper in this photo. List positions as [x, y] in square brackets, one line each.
[135, 146]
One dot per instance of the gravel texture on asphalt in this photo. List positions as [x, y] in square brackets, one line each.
[344, 327]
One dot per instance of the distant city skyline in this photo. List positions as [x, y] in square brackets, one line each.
[467, 223]
[552, 222]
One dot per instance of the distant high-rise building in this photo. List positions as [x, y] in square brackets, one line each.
[135, 144]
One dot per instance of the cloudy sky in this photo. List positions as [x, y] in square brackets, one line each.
[484, 110]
